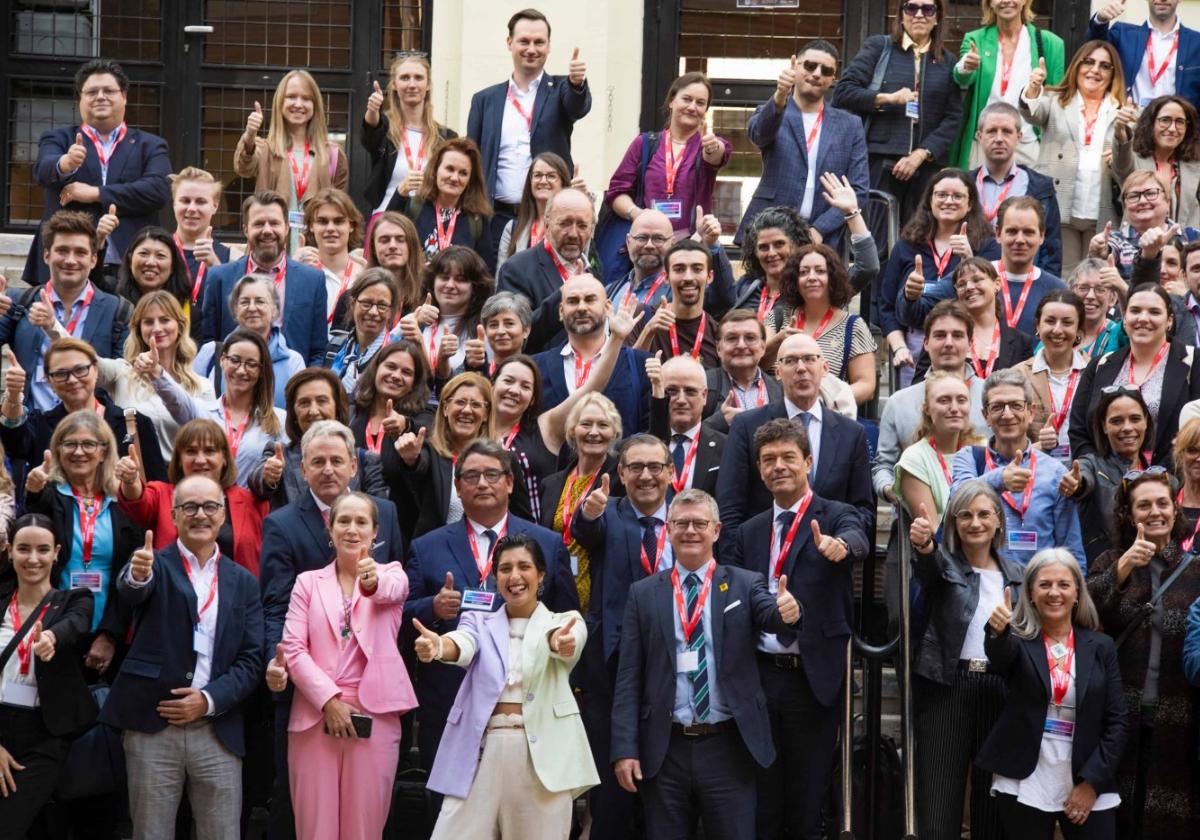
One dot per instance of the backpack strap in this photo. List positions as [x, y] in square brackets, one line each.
[980, 462]
[649, 147]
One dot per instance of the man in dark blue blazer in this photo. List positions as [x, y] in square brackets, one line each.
[196, 656]
[814, 543]
[456, 558]
[840, 469]
[530, 113]
[584, 310]
[787, 126]
[302, 287]
[100, 163]
[690, 721]
[1130, 42]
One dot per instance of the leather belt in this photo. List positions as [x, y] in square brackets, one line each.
[697, 730]
[782, 661]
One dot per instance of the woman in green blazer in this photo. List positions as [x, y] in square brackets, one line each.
[994, 65]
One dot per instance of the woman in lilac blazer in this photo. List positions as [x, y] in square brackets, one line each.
[514, 726]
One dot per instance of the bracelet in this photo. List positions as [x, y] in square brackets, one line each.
[849, 216]
[924, 545]
[437, 654]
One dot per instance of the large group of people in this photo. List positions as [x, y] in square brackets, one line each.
[566, 508]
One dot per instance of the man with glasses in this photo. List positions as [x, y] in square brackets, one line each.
[99, 164]
[295, 540]
[1159, 57]
[196, 660]
[675, 419]
[690, 727]
[680, 326]
[450, 570]
[649, 238]
[1037, 515]
[738, 383]
[801, 138]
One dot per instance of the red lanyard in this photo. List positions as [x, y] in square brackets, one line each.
[419, 163]
[1007, 496]
[83, 307]
[941, 461]
[813, 132]
[658, 552]
[537, 232]
[570, 501]
[374, 442]
[119, 134]
[821, 327]
[1060, 673]
[1089, 125]
[512, 98]
[1091, 351]
[1154, 74]
[1012, 316]
[990, 212]
[777, 569]
[434, 343]
[761, 398]
[88, 514]
[280, 273]
[766, 302]
[341, 289]
[658, 281]
[679, 480]
[558, 264]
[300, 178]
[212, 590]
[1158, 357]
[25, 645]
[689, 623]
[993, 352]
[582, 370]
[485, 569]
[234, 435]
[445, 234]
[201, 267]
[1006, 64]
[671, 163]
[940, 261]
[1057, 418]
[1187, 544]
[695, 344]
[512, 434]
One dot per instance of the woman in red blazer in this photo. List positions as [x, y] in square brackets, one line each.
[201, 448]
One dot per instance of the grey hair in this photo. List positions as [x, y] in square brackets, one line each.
[553, 200]
[694, 496]
[964, 496]
[324, 429]
[684, 362]
[1089, 266]
[502, 302]
[1008, 378]
[605, 404]
[1026, 623]
[246, 280]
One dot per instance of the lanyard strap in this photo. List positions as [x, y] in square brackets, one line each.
[785, 547]
[1007, 496]
[1057, 418]
[629, 293]
[1012, 316]
[89, 512]
[984, 371]
[419, 163]
[760, 398]
[689, 623]
[671, 163]
[300, 177]
[766, 302]
[512, 434]
[1152, 72]
[941, 461]
[1060, 672]
[821, 326]
[201, 268]
[695, 353]
[280, 273]
[1089, 123]
[24, 646]
[570, 501]
[516, 103]
[815, 131]
[1158, 357]
[537, 232]
[445, 234]
[558, 263]
[1006, 63]
[104, 152]
[234, 434]
[341, 289]
[374, 442]
[940, 261]
[485, 569]
[990, 212]
[679, 480]
[582, 370]
[212, 590]
[658, 552]
[83, 305]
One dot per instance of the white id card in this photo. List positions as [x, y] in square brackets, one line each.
[670, 209]
[477, 599]
[296, 220]
[912, 110]
[86, 580]
[20, 694]
[575, 565]
[1022, 541]
[687, 661]
[201, 642]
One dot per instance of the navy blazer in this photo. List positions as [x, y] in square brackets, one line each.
[707, 465]
[899, 265]
[842, 149]
[304, 320]
[425, 221]
[162, 658]
[843, 471]
[137, 183]
[628, 387]
[1041, 187]
[555, 109]
[531, 273]
[644, 699]
[1130, 41]
[826, 589]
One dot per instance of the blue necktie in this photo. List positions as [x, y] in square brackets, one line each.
[699, 677]
[649, 539]
[784, 520]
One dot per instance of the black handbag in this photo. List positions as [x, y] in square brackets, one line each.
[95, 764]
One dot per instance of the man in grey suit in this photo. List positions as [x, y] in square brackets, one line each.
[689, 715]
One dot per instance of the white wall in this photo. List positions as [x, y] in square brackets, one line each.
[1135, 12]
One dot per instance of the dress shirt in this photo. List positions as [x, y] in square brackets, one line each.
[814, 428]
[485, 543]
[1018, 80]
[513, 163]
[568, 354]
[1193, 306]
[1160, 45]
[321, 506]
[44, 397]
[991, 187]
[717, 710]
[748, 397]
[1085, 201]
[641, 288]
[691, 435]
[11, 675]
[814, 149]
[769, 642]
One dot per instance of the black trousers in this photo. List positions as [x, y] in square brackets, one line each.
[24, 736]
[709, 775]
[612, 807]
[791, 791]
[282, 824]
[1024, 823]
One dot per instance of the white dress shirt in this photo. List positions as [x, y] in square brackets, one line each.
[568, 354]
[1160, 45]
[513, 163]
[769, 642]
[485, 542]
[814, 428]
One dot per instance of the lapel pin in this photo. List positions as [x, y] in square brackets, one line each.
[724, 587]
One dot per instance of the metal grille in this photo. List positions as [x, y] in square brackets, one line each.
[125, 30]
[223, 112]
[710, 28]
[313, 34]
[402, 28]
[36, 107]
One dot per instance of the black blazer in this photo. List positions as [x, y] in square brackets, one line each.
[719, 386]
[375, 139]
[421, 492]
[64, 701]
[552, 487]
[1181, 385]
[1013, 746]
[1015, 347]
[707, 465]
[532, 273]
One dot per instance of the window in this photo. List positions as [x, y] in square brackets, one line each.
[311, 34]
[125, 30]
[402, 28]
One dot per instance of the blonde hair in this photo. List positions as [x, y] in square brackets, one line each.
[988, 15]
[586, 401]
[89, 421]
[317, 130]
[440, 438]
[201, 176]
[394, 112]
[185, 351]
[968, 435]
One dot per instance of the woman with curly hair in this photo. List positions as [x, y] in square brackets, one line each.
[1164, 141]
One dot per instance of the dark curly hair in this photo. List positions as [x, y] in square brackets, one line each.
[1143, 132]
[840, 291]
[1099, 415]
[922, 226]
[1123, 530]
[786, 219]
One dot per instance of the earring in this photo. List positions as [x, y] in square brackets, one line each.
[541, 589]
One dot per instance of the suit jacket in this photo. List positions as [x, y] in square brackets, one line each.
[161, 657]
[137, 183]
[644, 700]
[1013, 747]
[552, 487]
[422, 491]
[843, 471]
[1049, 256]
[304, 320]
[719, 386]
[1130, 41]
[312, 644]
[628, 386]
[842, 149]
[557, 106]
[826, 589]
[292, 486]
[531, 273]
[64, 701]
[375, 139]
[558, 745]
[708, 454]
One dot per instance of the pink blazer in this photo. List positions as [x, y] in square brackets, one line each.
[310, 644]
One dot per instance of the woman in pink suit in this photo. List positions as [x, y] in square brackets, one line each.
[339, 643]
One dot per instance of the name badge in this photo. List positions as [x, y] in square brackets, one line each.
[296, 220]
[91, 581]
[1144, 101]
[912, 110]
[1062, 453]
[672, 209]
[1022, 540]
[20, 694]
[687, 661]
[477, 599]
[1058, 729]
[39, 375]
[202, 643]
[575, 564]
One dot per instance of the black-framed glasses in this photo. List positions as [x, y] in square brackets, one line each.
[643, 238]
[636, 468]
[87, 447]
[63, 374]
[193, 508]
[914, 9]
[684, 525]
[471, 477]
[1128, 390]
[997, 409]
[1151, 194]
[368, 306]
[816, 66]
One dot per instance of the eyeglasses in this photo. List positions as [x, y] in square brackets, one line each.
[814, 66]
[1129, 390]
[1150, 472]
[673, 391]
[544, 176]
[1143, 195]
[235, 362]
[473, 476]
[949, 197]
[636, 468]
[1086, 289]
[697, 525]
[997, 409]
[87, 447]
[63, 374]
[919, 9]
[193, 508]
[966, 517]
[96, 93]
[643, 238]
[369, 306]
[1103, 66]
[1168, 122]
[806, 359]
[463, 402]
[247, 302]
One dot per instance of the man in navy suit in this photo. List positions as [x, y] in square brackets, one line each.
[301, 287]
[528, 114]
[814, 543]
[296, 540]
[1175, 59]
[100, 163]
[803, 137]
[741, 345]
[584, 310]
[695, 449]
[449, 570]
[690, 721]
[196, 657]
[840, 468]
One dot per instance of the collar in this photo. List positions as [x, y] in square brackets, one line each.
[1012, 173]
[205, 567]
[907, 43]
[660, 514]
[684, 571]
[64, 489]
[1037, 272]
[117, 129]
[1004, 459]
[533, 86]
[691, 434]
[499, 527]
[83, 293]
[279, 263]
[968, 372]
[1191, 303]
[568, 351]
[1161, 36]
[793, 409]
[776, 509]
[321, 506]
[1039, 365]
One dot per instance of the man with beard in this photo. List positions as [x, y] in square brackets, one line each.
[301, 287]
[583, 310]
[680, 326]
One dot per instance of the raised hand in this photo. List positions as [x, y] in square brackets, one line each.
[1153, 240]
[576, 70]
[1047, 439]
[562, 640]
[203, 249]
[731, 408]
[1002, 614]
[410, 330]
[476, 349]
[663, 318]
[1037, 78]
[408, 446]
[1138, 554]
[624, 318]
[43, 642]
[38, 477]
[789, 607]
[448, 601]
[654, 373]
[447, 347]
[960, 244]
[970, 60]
[128, 470]
[839, 193]
[75, 156]
[254, 122]
[394, 423]
[710, 144]
[1098, 244]
[1111, 12]
[1068, 485]
[277, 674]
[427, 313]
[901, 97]
[142, 560]
[914, 284]
[920, 532]
[105, 226]
[428, 644]
[1015, 476]
[368, 570]
[786, 82]
[1111, 275]
[831, 548]
[597, 500]
[374, 104]
[148, 365]
[14, 378]
[902, 357]
[708, 228]
[41, 312]
[273, 466]
[577, 182]
[305, 253]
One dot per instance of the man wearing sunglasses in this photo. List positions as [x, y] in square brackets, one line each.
[801, 138]
[1159, 57]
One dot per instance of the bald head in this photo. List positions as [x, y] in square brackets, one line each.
[800, 366]
[584, 306]
[647, 257]
[569, 223]
[687, 391]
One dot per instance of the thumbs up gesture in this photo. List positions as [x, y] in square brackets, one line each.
[577, 181]
[708, 228]
[710, 145]
[1153, 240]
[75, 156]
[663, 318]
[960, 244]
[41, 313]
[374, 104]
[789, 607]
[105, 226]
[1002, 614]
[576, 70]
[448, 601]
[408, 446]
[1068, 485]
[1098, 244]
[203, 249]
[43, 642]
[831, 548]
[914, 284]
[148, 364]
[428, 645]
[654, 373]
[1111, 12]
[787, 82]
[1016, 476]
[14, 378]
[254, 122]
[920, 532]
[597, 500]
[1037, 78]
[1138, 554]
[969, 63]
[277, 675]
[394, 423]
[731, 408]
[368, 570]
[475, 351]
[1047, 438]
[273, 467]
[142, 560]
[37, 478]
[129, 473]
[427, 313]
[562, 640]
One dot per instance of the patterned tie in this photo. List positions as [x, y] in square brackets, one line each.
[699, 677]
[785, 520]
[649, 539]
[487, 550]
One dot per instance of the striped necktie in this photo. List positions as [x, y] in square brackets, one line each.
[699, 677]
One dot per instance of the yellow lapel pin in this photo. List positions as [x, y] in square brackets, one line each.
[724, 586]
